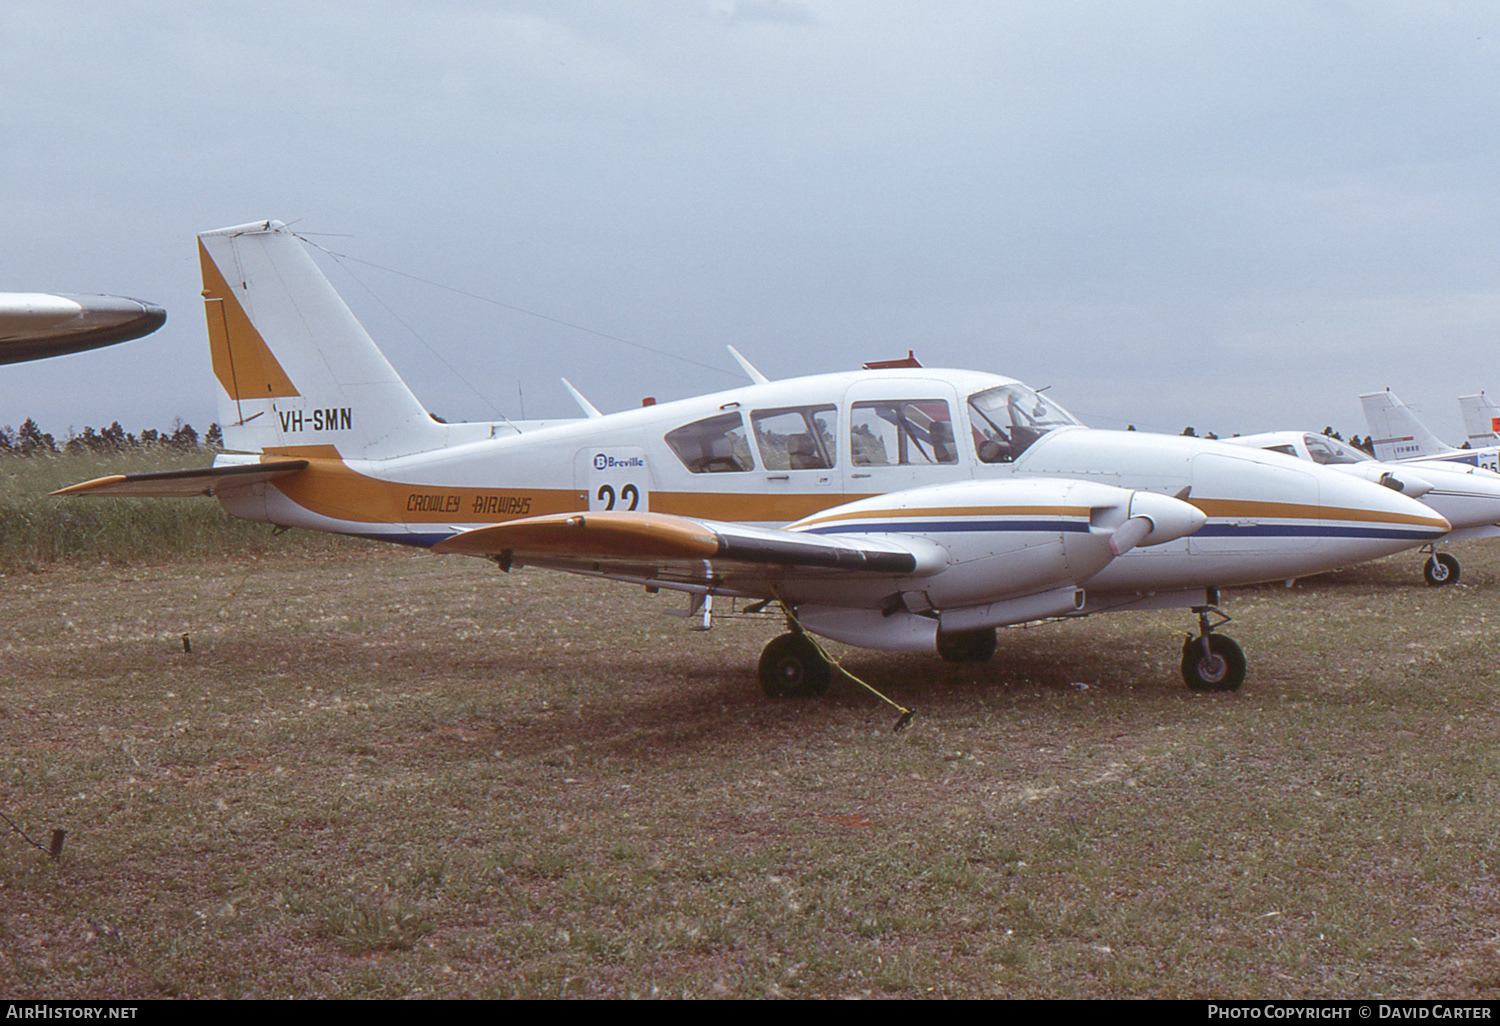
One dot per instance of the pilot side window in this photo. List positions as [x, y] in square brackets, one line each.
[905, 432]
[1330, 451]
[796, 438]
[717, 445]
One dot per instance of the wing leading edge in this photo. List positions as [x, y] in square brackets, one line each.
[661, 546]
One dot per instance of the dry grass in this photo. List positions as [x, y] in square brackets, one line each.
[382, 774]
[36, 529]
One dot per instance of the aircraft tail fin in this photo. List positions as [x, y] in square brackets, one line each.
[1481, 420]
[1396, 431]
[298, 375]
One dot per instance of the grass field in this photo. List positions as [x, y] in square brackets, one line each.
[37, 530]
[384, 774]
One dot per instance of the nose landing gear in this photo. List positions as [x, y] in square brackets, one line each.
[1440, 569]
[1212, 662]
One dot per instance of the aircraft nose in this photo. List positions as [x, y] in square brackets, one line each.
[1290, 519]
[1376, 521]
[120, 317]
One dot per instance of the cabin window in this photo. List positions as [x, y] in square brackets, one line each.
[717, 445]
[904, 432]
[1289, 450]
[796, 438]
[1007, 419]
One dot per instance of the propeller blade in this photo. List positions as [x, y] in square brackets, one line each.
[1129, 534]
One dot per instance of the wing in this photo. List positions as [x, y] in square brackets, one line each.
[961, 546]
[178, 484]
[685, 552]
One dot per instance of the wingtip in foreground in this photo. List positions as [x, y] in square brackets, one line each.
[36, 325]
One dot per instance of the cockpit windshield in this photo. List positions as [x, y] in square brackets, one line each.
[1327, 450]
[1007, 419]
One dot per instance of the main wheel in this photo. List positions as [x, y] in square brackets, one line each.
[792, 667]
[1440, 569]
[1223, 669]
[967, 646]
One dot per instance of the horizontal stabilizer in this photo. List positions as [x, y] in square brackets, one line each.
[180, 484]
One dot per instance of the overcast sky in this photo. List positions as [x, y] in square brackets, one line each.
[1231, 215]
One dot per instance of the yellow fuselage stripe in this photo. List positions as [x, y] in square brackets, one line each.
[328, 487]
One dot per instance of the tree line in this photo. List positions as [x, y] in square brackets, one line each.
[30, 440]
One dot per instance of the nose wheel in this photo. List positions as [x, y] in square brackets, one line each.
[1440, 569]
[1212, 662]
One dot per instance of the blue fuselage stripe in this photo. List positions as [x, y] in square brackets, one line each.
[950, 526]
[1313, 531]
[428, 539]
[1210, 530]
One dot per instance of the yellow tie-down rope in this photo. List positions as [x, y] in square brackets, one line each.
[791, 618]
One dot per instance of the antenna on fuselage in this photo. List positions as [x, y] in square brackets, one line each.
[745, 365]
[589, 409]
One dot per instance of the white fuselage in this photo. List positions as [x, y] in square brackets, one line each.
[731, 457]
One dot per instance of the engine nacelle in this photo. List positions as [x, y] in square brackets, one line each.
[1017, 550]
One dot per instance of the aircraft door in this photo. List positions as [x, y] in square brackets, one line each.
[614, 477]
[901, 434]
[799, 454]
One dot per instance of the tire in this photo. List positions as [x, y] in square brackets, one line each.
[1441, 569]
[967, 646]
[1223, 669]
[792, 667]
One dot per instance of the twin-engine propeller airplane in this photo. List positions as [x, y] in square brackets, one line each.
[899, 508]
[1467, 497]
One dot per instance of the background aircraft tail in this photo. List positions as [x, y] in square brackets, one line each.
[1396, 431]
[298, 375]
[1481, 420]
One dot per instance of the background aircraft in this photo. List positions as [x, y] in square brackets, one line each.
[900, 508]
[1467, 497]
[1481, 420]
[1398, 435]
[34, 325]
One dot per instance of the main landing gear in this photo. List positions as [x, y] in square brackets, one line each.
[792, 667]
[1212, 662]
[1440, 568]
[975, 646]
